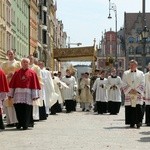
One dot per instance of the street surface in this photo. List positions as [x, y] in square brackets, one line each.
[78, 131]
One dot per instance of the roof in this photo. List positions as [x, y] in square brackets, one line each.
[75, 54]
[131, 18]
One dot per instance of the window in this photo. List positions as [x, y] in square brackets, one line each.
[44, 17]
[3, 11]
[1, 8]
[131, 50]
[0, 38]
[139, 30]
[110, 37]
[14, 43]
[8, 40]
[148, 39]
[45, 2]
[17, 23]
[131, 40]
[20, 26]
[148, 50]
[139, 50]
[14, 18]
[40, 12]
[44, 33]
[139, 60]
[120, 63]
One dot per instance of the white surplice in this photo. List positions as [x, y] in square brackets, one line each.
[57, 84]
[69, 93]
[49, 95]
[147, 88]
[136, 81]
[114, 94]
[36, 105]
[101, 90]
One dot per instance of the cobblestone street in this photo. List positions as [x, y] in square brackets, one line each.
[77, 131]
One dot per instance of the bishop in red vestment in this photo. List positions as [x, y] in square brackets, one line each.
[24, 88]
[3, 91]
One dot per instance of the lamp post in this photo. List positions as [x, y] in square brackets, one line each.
[113, 7]
[143, 38]
[78, 44]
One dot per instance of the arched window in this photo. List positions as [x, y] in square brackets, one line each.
[148, 40]
[120, 63]
[148, 49]
[131, 39]
[131, 50]
[139, 50]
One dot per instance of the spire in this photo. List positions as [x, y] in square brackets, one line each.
[102, 36]
[55, 4]
[94, 42]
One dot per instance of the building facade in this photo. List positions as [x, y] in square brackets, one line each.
[20, 27]
[33, 27]
[52, 24]
[107, 54]
[43, 32]
[5, 28]
[60, 38]
[133, 26]
[44, 51]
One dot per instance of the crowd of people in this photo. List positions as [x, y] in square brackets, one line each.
[30, 92]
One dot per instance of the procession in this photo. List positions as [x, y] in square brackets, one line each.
[30, 92]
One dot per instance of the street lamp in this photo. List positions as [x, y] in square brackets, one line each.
[144, 36]
[143, 39]
[113, 7]
[78, 44]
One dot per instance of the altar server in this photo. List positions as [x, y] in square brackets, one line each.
[114, 92]
[69, 93]
[100, 87]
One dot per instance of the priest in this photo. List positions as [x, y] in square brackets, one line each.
[133, 87]
[3, 91]
[49, 95]
[147, 96]
[85, 95]
[24, 88]
[9, 67]
[36, 107]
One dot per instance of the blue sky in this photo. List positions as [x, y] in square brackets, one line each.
[85, 20]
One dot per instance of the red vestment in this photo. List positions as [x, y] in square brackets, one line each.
[25, 79]
[3, 82]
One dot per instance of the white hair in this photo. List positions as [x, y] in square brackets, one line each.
[26, 59]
